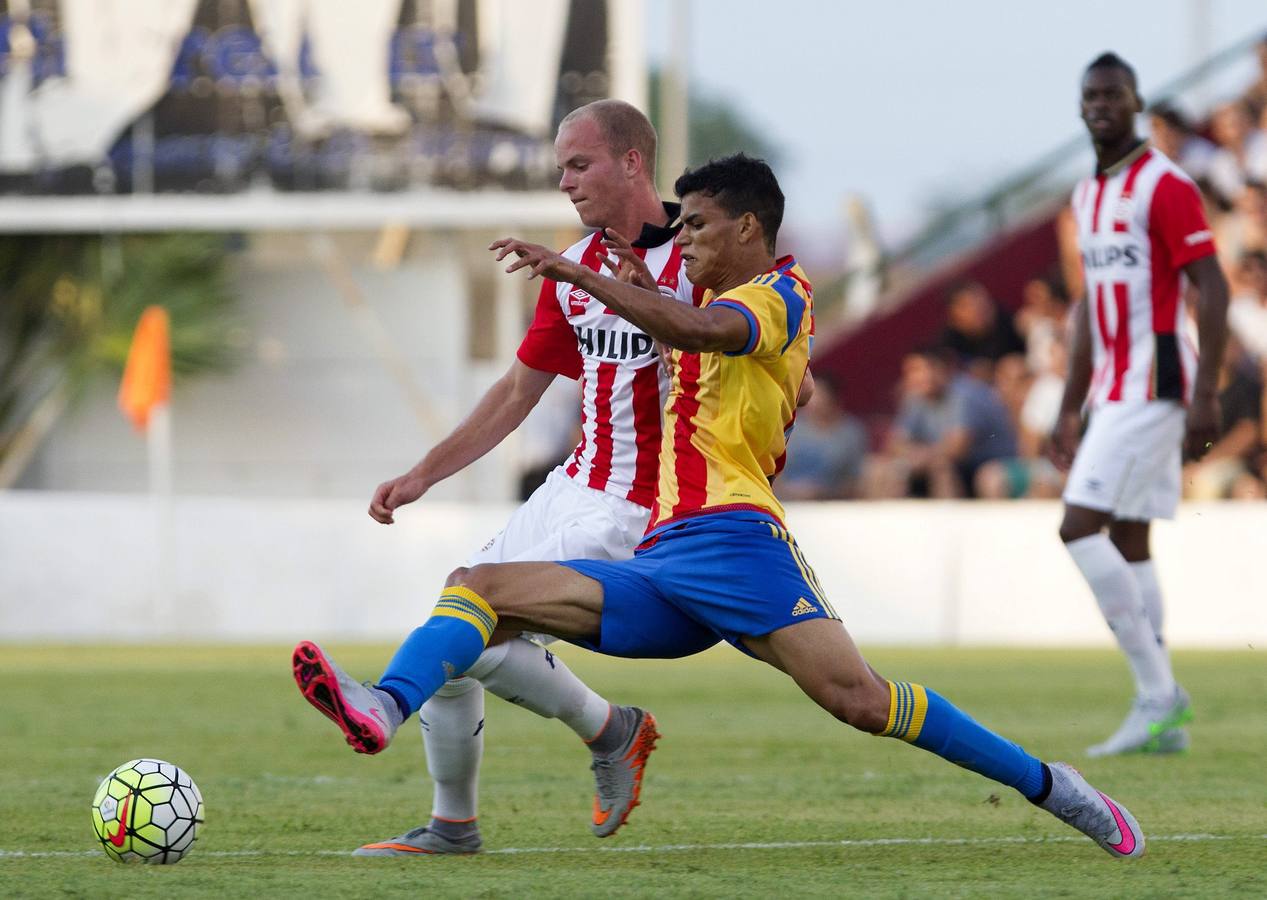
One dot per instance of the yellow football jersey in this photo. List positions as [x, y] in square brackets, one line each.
[727, 415]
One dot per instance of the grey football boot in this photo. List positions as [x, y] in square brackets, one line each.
[1076, 803]
[367, 716]
[425, 841]
[1150, 727]
[618, 772]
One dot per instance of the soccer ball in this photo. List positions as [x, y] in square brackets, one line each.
[147, 810]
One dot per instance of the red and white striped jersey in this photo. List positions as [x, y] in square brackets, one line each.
[1139, 223]
[622, 386]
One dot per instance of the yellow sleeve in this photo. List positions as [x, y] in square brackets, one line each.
[776, 312]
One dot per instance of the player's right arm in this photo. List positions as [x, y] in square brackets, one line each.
[500, 411]
[1202, 426]
[548, 349]
[1065, 436]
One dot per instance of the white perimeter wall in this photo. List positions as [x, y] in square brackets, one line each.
[82, 567]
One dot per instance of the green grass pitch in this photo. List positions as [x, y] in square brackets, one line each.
[752, 792]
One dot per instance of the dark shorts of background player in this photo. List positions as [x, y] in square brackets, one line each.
[716, 576]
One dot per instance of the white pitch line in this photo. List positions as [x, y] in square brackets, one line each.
[683, 848]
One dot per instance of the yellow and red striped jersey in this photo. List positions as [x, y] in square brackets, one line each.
[727, 415]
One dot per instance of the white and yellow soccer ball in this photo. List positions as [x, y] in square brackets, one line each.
[147, 810]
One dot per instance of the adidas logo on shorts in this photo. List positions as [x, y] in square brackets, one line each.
[803, 607]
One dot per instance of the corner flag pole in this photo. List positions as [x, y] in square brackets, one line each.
[144, 397]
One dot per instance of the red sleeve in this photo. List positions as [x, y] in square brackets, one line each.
[1176, 221]
[550, 344]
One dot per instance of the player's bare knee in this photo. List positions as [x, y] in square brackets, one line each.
[863, 705]
[1072, 530]
[476, 578]
[1130, 539]
[455, 577]
[481, 579]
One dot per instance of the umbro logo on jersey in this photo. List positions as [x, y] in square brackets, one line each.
[577, 301]
[803, 607]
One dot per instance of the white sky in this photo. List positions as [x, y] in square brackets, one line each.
[901, 100]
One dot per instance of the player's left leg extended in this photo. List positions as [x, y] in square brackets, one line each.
[823, 660]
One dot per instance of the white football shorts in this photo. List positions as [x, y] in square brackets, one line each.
[566, 520]
[1130, 463]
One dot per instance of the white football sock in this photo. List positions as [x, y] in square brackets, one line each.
[1116, 590]
[531, 676]
[1146, 577]
[453, 733]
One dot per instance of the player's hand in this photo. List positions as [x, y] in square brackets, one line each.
[536, 259]
[666, 358]
[1064, 440]
[1202, 428]
[391, 495]
[624, 262]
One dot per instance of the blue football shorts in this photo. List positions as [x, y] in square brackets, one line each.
[716, 576]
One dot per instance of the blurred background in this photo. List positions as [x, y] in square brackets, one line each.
[308, 187]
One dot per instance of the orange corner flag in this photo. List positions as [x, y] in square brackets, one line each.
[147, 377]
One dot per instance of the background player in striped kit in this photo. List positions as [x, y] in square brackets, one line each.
[1141, 230]
[596, 505]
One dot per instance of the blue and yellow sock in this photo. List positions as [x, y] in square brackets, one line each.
[445, 646]
[929, 721]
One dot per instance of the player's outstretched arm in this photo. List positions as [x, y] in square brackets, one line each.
[500, 411]
[1064, 438]
[677, 324]
[1203, 413]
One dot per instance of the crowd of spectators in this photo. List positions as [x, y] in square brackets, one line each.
[976, 409]
[1231, 168]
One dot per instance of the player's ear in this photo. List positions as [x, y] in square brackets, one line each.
[749, 228]
[1139, 103]
[633, 162]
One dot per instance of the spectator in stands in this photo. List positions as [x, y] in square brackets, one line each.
[1041, 320]
[1234, 466]
[1031, 474]
[827, 451]
[949, 425]
[1247, 312]
[1012, 378]
[1244, 228]
[1172, 134]
[977, 331]
[1242, 153]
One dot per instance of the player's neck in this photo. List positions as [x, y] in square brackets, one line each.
[645, 208]
[1109, 155]
[744, 271]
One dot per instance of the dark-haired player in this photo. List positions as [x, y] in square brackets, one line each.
[717, 561]
[1133, 366]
